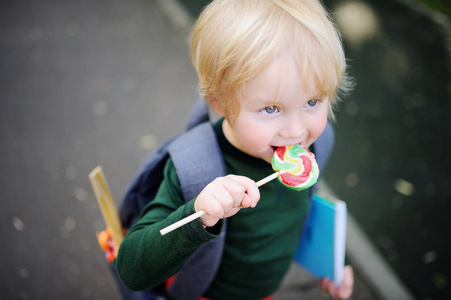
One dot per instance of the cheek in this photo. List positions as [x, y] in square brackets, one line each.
[253, 134]
[318, 126]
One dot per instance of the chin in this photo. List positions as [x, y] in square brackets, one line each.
[267, 155]
[269, 161]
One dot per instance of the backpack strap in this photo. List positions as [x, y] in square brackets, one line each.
[198, 114]
[198, 161]
[144, 186]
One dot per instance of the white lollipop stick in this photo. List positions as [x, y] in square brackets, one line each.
[182, 222]
[200, 213]
[267, 179]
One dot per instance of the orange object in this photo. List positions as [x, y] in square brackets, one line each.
[102, 238]
[105, 240]
[110, 257]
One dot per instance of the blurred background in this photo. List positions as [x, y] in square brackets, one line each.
[87, 83]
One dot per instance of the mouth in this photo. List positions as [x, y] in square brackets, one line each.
[275, 147]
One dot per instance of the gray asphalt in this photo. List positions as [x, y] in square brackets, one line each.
[85, 83]
[82, 82]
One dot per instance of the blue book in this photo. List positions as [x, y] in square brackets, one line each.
[322, 247]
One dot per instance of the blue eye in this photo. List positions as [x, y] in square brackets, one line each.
[270, 110]
[312, 103]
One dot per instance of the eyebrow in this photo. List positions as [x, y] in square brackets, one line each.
[262, 102]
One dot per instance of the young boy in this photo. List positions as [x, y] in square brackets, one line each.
[272, 69]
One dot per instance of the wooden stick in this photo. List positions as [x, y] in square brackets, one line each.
[267, 179]
[182, 222]
[107, 205]
[200, 213]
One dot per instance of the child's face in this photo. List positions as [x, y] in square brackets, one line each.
[277, 110]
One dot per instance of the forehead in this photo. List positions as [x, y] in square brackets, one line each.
[281, 80]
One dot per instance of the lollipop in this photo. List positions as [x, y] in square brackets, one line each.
[296, 166]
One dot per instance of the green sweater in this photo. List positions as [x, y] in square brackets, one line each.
[260, 241]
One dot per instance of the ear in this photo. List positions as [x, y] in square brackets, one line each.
[214, 103]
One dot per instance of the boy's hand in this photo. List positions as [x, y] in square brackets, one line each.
[344, 290]
[224, 197]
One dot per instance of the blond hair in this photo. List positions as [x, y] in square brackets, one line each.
[234, 40]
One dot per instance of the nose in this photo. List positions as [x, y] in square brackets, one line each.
[294, 128]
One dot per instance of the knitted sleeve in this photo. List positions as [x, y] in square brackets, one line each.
[146, 258]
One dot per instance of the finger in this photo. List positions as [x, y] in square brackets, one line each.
[252, 190]
[225, 200]
[246, 187]
[330, 288]
[214, 212]
[326, 285]
[348, 276]
[235, 189]
[322, 283]
[343, 293]
[237, 186]
[346, 288]
[211, 198]
[231, 212]
[247, 201]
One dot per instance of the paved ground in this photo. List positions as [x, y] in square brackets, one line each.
[84, 83]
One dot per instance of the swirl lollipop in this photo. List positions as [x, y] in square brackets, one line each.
[296, 166]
